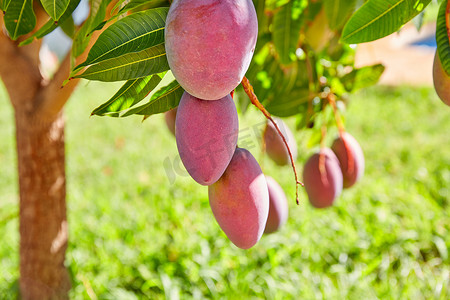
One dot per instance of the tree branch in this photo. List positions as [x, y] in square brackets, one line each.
[53, 96]
[19, 66]
[21, 80]
[31, 51]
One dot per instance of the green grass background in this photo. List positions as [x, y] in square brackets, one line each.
[140, 229]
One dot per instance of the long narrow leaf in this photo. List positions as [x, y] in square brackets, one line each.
[137, 4]
[130, 34]
[286, 33]
[20, 18]
[289, 105]
[68, 26]
[131, 93]
[96, 16]
[4, 4]
[363, 77]
[51, 25]
[165, 99]
[419, 20]
[55, 8]
[379, 18]
[129, 66]
[442, 40]
[338, 11]
[260, 6]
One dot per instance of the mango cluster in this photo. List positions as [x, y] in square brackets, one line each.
[327, 172]
[209, 46]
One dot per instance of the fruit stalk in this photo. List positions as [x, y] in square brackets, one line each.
[322, 168]
[248, 88]
[332, 100]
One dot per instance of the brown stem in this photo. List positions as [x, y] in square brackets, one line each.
[322, 168]
[248, 88]
[332, 100]
[309, 70]
[52, 97]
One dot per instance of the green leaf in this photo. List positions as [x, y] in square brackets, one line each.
[314, 8]
[4, 4]
[131, 93]
[291, 90]
[130, 34]
[119, 3]
[289, 104]
[165, 99]
[68, 26]
[379, 18]
[260, 6]
[51, 25]
[138, 4]
[314, 138]
[277, 85]
[442, 40]
[129, 66]
[95, 18]
[55, 8]
[418, 20]
[363, 77]
[305, 119]
[338, 12]
[286, 33]
[20, 18]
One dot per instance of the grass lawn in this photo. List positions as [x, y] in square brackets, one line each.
[141, 229]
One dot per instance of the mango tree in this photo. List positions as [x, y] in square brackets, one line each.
[302, 66]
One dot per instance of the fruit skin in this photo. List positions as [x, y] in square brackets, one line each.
[275, 147]
[322, 193]
[170, 117]
[239, 200]
[206, 135]
[345, 149]
[210, 44]
[441, 80]
[278, 206]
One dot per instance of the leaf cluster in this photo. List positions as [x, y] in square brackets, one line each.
[305, 50]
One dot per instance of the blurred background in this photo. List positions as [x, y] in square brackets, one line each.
[141, 228]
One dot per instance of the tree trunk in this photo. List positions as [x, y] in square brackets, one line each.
[43, 222]
[38, 104]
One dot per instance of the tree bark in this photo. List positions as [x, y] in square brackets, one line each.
[43, 220]
[40, 155]
[38, 104]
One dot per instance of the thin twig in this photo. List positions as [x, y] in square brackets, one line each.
[309, 71]
[332, 100]
[322, 167]
[248, 88]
